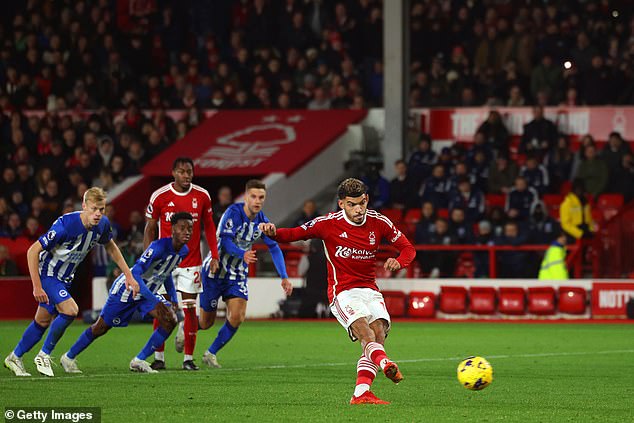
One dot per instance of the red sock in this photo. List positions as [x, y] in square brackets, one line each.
[366, 371]
[375, 353]
[155, 326]
[190, 327]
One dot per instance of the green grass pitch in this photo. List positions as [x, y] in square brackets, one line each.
[305, 371]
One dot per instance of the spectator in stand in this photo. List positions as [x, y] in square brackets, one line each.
[32, 229]
[224, 199]
[7, 266]
[535, 174]
[402, 192]
[543, 229]
[13, 227]
[421, 161]
[612, 154]
[378, 187]
[624, 178]
[437, 263]
[593, 172]
[427, 223]
[502, 175]
[436, 188]
[481, 258]
[539, 135]
[513, 264]
[470, 200]
[559, 162]
[547, 78]
[309, 212]
[575, 213]
[459, 227]
[495, 132]
[479, 171]
[520, 200]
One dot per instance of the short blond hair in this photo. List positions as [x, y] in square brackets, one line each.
[95, 194]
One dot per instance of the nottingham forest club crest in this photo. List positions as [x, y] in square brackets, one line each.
[372, 238]
[194, 203]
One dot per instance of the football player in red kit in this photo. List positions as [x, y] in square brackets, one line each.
[351, 238]
[183, 196]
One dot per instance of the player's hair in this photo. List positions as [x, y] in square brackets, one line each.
[254, 183]
[182, 160]
[351, 187]
[94, 194]
[180, 216]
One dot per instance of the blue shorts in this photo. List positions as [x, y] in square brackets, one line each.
[57, 292]
[215, 288]
[118, 314]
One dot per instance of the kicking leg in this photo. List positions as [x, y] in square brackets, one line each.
[30, 337]
[236, 312]
[98, 329]
[372, 338]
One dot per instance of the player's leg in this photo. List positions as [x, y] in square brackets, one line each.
[212, 290]
[189, 285]
[31, 336]
[380, 325]
[159, 353]
[97, 329]
[167, 323]
[236, 312]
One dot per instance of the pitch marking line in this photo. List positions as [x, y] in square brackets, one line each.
[313, 365]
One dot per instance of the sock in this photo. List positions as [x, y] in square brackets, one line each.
[375, 353]
[158, 337]
[188, 357]
[158, 354]
[81, 344]
[366, 372]
[190, 326]
[30, 337]
[58, 327]
[225, 334]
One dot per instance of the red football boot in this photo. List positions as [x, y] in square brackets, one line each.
[392, 372]
[367, 398]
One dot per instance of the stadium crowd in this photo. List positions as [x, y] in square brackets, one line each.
[85, 89]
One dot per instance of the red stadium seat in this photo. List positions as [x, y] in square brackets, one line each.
[453, 299]
[395, 303]
[413, 216]
[495, 200]
[565, 188]
[465, 266]
[421, 304]
[572, 300]
[395, 215]
[609, 205]
[552, 203]
[482, 300]
[442, 213]
[512, 301]
[541, 300]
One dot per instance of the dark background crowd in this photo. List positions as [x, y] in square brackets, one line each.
[86, 86]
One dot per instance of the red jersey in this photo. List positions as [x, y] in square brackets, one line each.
[351, 248]
[166, 201]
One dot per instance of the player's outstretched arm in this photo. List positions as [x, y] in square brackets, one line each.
[117, 257]
[33, 258]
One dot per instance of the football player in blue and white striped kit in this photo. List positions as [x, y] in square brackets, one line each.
[52, 261]
[152, 270]
[237, 232]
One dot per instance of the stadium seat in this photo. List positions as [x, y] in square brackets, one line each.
[495, 200]
[565, 188]
[572, 300]
[552, 203]
[412, 217]
[421, 304]
[609, 204]
[442, 213]
[395, 303]
[482, 300]
[541, 300]
[512, 301]
[453, 299]
[395, 215]
[465, 266]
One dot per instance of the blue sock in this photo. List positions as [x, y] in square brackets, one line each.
[225, 334]
[30, 337]
[58, 327]
[81, 344]
[158, 337]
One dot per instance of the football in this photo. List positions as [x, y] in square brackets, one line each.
[475, 373]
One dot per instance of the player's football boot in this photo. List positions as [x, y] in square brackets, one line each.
[43, 363]
[179, 339]
[210, 360]
[392, 372]
[141, 366]
[190, 365]
[158, 365]
[14, 363]
[69, 364]
[367, 398]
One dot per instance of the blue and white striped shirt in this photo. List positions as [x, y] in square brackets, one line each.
[152, 270]
[67, 243]
[236, 234]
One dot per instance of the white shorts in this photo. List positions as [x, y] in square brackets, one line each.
[186, 279]
[350, 305]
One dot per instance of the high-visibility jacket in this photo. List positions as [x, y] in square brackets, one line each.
[572, 214]
[553, 266]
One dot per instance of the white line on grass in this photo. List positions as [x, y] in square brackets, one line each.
[312, 365]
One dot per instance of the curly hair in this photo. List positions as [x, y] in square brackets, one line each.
[351, 187]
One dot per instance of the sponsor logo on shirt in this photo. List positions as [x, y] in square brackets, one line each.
[343, 235]
[171, 204]
[353, 253]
